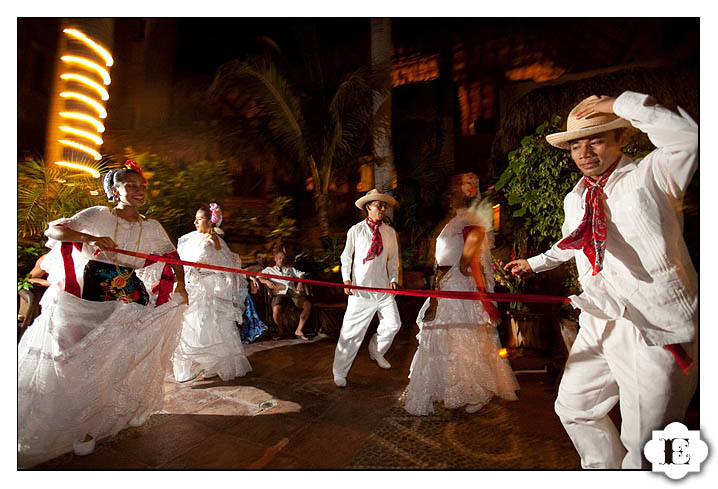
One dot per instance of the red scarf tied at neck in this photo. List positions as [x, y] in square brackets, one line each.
[377, 246]
[590, 235]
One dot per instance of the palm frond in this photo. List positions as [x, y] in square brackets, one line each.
[264, 85]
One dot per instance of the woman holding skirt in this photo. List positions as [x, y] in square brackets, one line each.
[94, 362]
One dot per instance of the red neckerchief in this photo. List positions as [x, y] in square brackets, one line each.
[590, 235]
[377, 246]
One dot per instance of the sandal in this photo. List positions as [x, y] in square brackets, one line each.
[301, 336]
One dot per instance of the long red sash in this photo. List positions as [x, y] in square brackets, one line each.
[163, 288]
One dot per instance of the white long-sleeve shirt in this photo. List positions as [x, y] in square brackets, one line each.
[380, 271]
[285, 272]
[647, 271]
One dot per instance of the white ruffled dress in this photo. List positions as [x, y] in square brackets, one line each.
[210, 338]
[457, 360]
[94, 368]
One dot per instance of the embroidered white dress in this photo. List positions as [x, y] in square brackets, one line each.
[210, 336]
[94, 368]
[457, 360]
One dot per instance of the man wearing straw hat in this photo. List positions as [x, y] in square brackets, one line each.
[639, 307]
[370, 259]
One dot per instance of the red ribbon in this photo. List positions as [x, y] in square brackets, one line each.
[441, 294]
[164, 287]
[71, 284]
[681, 357]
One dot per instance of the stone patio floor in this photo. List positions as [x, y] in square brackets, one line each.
[288, 414]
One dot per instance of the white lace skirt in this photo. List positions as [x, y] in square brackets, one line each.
[210, 338]
[457, 360]
[90, 368]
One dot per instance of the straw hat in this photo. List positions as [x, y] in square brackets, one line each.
[373, 195]
[586, 126]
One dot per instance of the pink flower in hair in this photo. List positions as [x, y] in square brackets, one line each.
[216, 210]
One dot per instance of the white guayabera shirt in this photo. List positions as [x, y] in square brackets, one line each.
[380, 271]
[647, 272]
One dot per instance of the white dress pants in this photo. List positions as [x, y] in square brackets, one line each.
[359, 313]
[610, 360]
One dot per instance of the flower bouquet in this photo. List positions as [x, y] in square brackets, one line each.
[513, 283]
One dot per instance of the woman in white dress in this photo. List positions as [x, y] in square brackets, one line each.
[457, 361]
[211, 343]
[94, 362]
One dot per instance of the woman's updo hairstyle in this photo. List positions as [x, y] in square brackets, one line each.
[214, 214]
[113, 177]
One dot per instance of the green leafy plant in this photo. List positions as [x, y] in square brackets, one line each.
[47, 192]
[318, 121]
[534, 184]
[176, 192]
[27, 255]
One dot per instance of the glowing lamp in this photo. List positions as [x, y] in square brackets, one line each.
[83, 134]
[84, 98]
[79, 116]
[81, 147]
[503, 353]
[91, 44]
[88, 64]
[77, 166]
[497, 216]
[87, 82]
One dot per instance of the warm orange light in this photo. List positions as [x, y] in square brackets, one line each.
[78, 166]
[83, 134]
[414, 69]
[81, 147]
[88, 64]
[503, 353]
[84, 117]
[539, 72]
[84, 98]
[91, 44]
[497, 216]
[86, 81]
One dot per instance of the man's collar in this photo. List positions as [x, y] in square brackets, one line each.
[625, 164]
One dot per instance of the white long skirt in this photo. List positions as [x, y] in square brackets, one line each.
[90, 368]
[210, 338]
[457, 361]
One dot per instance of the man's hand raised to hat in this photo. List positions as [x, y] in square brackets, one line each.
[602, 105]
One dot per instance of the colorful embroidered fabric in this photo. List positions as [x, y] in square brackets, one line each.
[105, 282]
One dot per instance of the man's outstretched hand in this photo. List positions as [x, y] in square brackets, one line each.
[518, 267]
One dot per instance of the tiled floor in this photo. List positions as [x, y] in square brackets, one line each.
[287, 414]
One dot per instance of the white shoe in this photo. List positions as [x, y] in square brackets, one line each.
[83, 448]
[379, 359]
[340, 381]
[473, 408]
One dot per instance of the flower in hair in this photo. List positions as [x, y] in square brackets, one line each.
[132, 165]
[469, 184]
[216, 217]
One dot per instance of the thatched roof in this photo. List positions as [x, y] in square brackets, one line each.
[671, 86]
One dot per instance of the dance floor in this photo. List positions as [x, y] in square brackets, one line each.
[288, 414]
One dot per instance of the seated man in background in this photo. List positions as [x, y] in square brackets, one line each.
[286, 290]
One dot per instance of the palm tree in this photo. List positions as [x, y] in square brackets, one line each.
[323, 125]
[48, 192]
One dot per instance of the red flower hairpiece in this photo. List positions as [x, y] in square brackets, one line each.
[132, 165]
